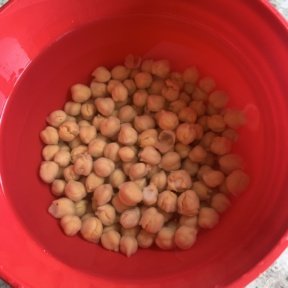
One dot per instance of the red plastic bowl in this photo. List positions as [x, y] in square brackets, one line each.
[45, 46]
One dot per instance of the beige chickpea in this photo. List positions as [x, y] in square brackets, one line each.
[119, 93]
[143, 80]
[106, 214]
[88, 110]
[48, 171]
[237, 181]
[182, 150]
[207, 139]
[68, 131]
[186, 133]
[159, 180]
[230, 162]
[116, 178]
[49, 151]
[96, 146]
[69, 173]
[230, 134]
[167, 201]
[98, 89]
[110, 240]
[188, 203]
[127, 135]
[80, 93]
[83, 123]
[202, 170]
[197, 154]
[71, 118]
[152, 220]
[179, 181]
[144, 122]
[128, 245]
[87, 134]
[155, 103]
[62, 158]
[81, 207]
[150, 194]
[49, 136]
[61, 207]
[126, 167]
[102, 195]
[185, 237]
[199, 107]
[167, 120]
[75, 190]
[190, 221]
[220, 202]
[170, 93]
[221, 145]
[141, 183]
[97, 121]
[83, 164]
[148, 138]
[75, 142]
[103, 167]
[176, 106]
[110, 127]
[92, 182]
[156, 86]
[130, 194]
[57, 187]
[111, 151]
[118, 205]
[126, 114]
[190, 75]
[145, 239]
[101, 74]
[120, 72]
[140, 98]
[91, 229]
[150, 155]
[160, 68]
[152, 169]
[216, 123]
[56, 118]
[170, 161]
[137, 171]
[130, 85]
[203, 192]
[77, 151]
[187, 114]
[208, 218]
[70, 224]
[191, 167]
[105, 106]
[234, 119]
[213, 178]
[207, 84]
[72, 108]
[130, 218]
[127, 153]
[113, 227]
[111, 84]
[218, 99]
[165, 238]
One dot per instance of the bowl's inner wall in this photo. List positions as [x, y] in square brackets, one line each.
[257, 219]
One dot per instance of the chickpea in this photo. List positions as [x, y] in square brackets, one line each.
[191, 167]
[103, 167]
[81, 207]
[170, 161]
[126, 167]
[96, 147]
[87, 134]
[190, 221]
[49, 152]
[101, 74]
[98, 89]
[179, 181]
[62, 158]
[187, 114]
[167, 120]
[111, 151]
[188, 203]
[137, 171]
[72, 108]
[182, 150]
[165, 238]
[75, 190]
[48, 171]
[199, 95]
[130, 194]
[118, 205]
[190, 75]
[230, 162]
[87, 215]
[83, 123]
[160, 68]
[189, 88]
[155, 103]
[159, 180]
[120, 73]
[56, 118]
[140, 98]
[97, 121]
[186, 133]
[199, 107]
[88, 110]
[167, 201]
[221, 146]
[234, 119]
[127, 135]
[70, 224]
[143, 80]
[130, 218]
[152, 220]
[69, 173]
[64, 147]
[237, 181]
[198, 154]
[68, 131]
[146, 65]
[91, 229]
[71, 118]
[132, 61]
[144, 122]
[208, 218]
[117, 178]
[152, 169]
[61, 207]
[176, 106]
[102, 195]
[57, 187]
[113, 227]
[93, 181]
[49, 136]
[128, 245]
[207, 139]
[145, 239]
[83, 164]
[150, 155]
[230, 134]
[218, 99]
[80, 93]
[150, 194]
[199, 131]
[105, 106]
[110, 240]
[203, 192]
[220, 202]
[216, 123]
[210, 160]
[185, 237]
[141, 183]
[156, 86]
[110, 127]
[170, 93]
[106, 214]
[127, 153]
[126, 114]
[185, 97]
[130, 85]
[148, 138]
[119, 93]
[77, 151]
[202, 170]
[213, 178]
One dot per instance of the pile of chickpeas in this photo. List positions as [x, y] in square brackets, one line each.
[142, 157]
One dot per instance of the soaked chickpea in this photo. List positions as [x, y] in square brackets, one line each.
[221, 145]
[87, 134]
[117, 177]
[119, 93]
[176, 106]
[186, 133]
[190, 75]
[179, 181]
[220, 202]
[190, 221]
[130, 218]
[187, 114]
[128, 245]
[88, 110]
[101, 74]
[140, 98]
[170, 93]
[145, 239]
[126, 114]
[182, 150]
[230, 134]
[216, 123]
[150, 155]
[77, 151]
[110, 240]
[118, 205]
[208, 218]
[97, 121]
[144, 122]
[98, 89]
[237, 181]
[150, 194]
[61, 207]
[159, 180]
[72, 108]
[185, 237]
[92, 181]
[197, 154]
[48, 171]
[146, 65]
[234, 119]
[103, 167]
[49, 151]
[213, 178]
[170, 161]
[160, 68]
[143, 80]
[110, 127]
[96, 147]
[165, 238]
[69, 173]
[167, 120]
[188, 203]
[58, 187]
[141, 183]
[166, 141]
[191, 167]
[137, 171]
[75, 190]
[148, 138]
[155, 103]
[70, 224]
[167, 201]
[132, 232]
[151, 220]
[120, 72]
[68, 131]
[49, 136]
[230, 162]
[106, 214]
[62, 158]
[130, 194]
[127, 135]
[56, 118]
[80, 93]
[207, 139]
[203, 192]
[81, 207]
[91, 229]
[111, 151]
[105, 106]
[130, 85]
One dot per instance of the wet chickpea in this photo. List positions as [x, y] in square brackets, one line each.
[130, 194]
[72, 108]
[61, 207]
[146, 65]
[140, 98]
[126, 114]
[179, 181]
[83, 164]
[148, 138]
[101, 74]
[166, 141]
[120, 72]
[91, 229]
[87, 134]
[150, 194]
[128, 245]
[81, 207]
[187, 114]
[216, 123]
[159, 180]
[176, 106]
[145, 239]
[167, 201]
[106, 214]
[48, 171]
[110, 240]
[218, 99]
[207, 84]
[56, 118]
[167, 120]
[83, 123]
[185, 237]
[188, 203]
[111, 151]
[160, 68]
[170, 161]
[126, 167]
[49, 136]
[186, 133]
[197, 154]
[127, 153]
[75, 190]
[49, 151]
[62, 158]
[105, 106]
[150, 155]
[96, 147]
[151, 220]
[68, 131]
[208, 218]
[70, 224]
[202, 170]
[103, 167]
[80, 93]
[58, 187]
[137, 171]
[132, 232]
[234, 119]
[143, 80]
[144, 122]
[88, 110]
[221, 145]
[69, 173]
[119, 93]
[127, 135]
[98, 89]
[237, 181]
[189, 88]
[130, 218]
[213, 178]
[155, 103]
[199, 107]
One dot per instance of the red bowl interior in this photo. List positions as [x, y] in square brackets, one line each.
[240, 43]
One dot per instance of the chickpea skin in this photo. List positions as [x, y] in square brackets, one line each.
[185, 237]
[167, 201]
[101, 74]
[150, 155]
[208, 218]
[70, 224]
[49, 136]
[167, 120]
[130, 194]
[221, 145]
[103, 167]
[62, 158]
[48, 171]
[148, 138]
[91, 229]
[170, 161]
[80, 93]
[61, 207]
[213, 178]
[179, 181]
[155, 103]
[126, 114]
[75, 190]
[151, 220]
[128, 245]
[93, 181]
[106, 214]
[237, 181]
[145, 239]
[130, 218]
[186, 133]
[117, 178]
[197, 154]
[57, 187]
[102, 195]
[165, 238]
[159, 180]
[127, 135]
[83, 164]
[87, 134]
[144, 122]
[68, 131]
[188, 203]
[150, 194]
[56, 118]
[110, 240]
[72, 108]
